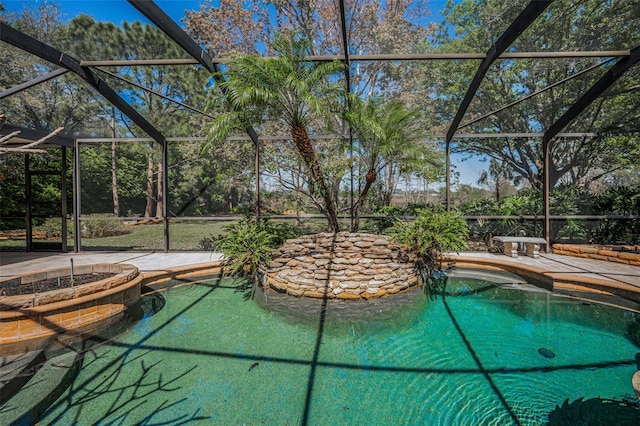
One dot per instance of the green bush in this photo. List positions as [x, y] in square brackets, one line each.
[249, 243]
[385, 218]
[433, 232]
[52, 228]
[618, 200]
[92, 228]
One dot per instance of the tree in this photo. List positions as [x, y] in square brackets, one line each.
[473, 26]
[62, 102]
[373, 26]
[497, 177]
[140, 41]
[232, 27]
[387, 134]
[294, 92]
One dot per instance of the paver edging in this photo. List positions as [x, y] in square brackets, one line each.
[548, 279]
[628, 255]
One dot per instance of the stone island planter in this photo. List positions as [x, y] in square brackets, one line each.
[340, 266]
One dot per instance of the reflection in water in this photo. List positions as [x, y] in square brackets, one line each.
[398, 307]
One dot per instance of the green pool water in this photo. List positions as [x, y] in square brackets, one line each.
[212, 356]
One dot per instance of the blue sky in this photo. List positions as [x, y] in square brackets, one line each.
[115, 11]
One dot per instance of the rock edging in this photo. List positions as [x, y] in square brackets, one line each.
[629, 255]
[340, 266]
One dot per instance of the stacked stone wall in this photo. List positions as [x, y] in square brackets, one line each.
[629, 255]
[342, 265]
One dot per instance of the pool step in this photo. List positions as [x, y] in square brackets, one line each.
[25, 407]
[15, 370]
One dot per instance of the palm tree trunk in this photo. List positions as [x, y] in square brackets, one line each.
[388, 193]
[371, 177]
[302, 141]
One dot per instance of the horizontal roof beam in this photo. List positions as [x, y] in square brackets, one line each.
[329, 137]
[203, 139]
[375, 57]
[479, 56]
[540, 135]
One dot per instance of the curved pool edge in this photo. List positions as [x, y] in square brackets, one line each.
[182, 273]
[81, 311]
[542, 275]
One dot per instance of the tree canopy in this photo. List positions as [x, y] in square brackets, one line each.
[283, 93]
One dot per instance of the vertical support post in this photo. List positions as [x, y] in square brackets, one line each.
[63, 197]
[256, 166]
[27, 218]
[77, 237]
[448, 173]
[546, 152]
[165, 193]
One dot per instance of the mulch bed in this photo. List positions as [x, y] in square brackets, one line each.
[13, 288]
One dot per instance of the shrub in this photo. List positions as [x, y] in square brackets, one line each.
[385, 218]
[92, 228]
[248, 243]
[433, 232]
[51, 227]
[622, 201]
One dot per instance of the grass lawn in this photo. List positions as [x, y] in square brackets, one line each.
[183, 236]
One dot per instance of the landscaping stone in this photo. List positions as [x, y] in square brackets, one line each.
[343, 265]
[610, 253]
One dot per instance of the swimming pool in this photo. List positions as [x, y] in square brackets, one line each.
[485, 354]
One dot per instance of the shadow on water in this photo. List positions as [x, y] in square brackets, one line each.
[127, 399]
[595, 411]
[316, 349]
[147, 306]
[124, 400]
[476, 359]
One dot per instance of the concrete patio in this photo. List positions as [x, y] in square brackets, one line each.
[550, 265]
[14, 263]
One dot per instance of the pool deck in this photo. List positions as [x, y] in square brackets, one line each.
[560, 267]
[15, 263]
[552, 266]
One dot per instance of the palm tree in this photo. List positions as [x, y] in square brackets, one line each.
[497, 175]
[387, 133]
[290, 90]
